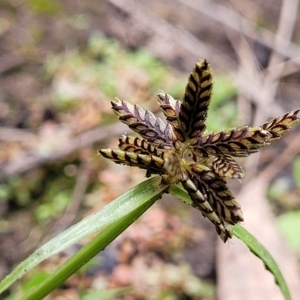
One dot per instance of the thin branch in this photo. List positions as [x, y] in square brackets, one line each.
[287, 22]
[285, 157]
[233, 20]
[17, 135]
[167, 41]
[70, 213]
[10, 61]
[33, 159]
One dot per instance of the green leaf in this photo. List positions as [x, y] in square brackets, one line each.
[86, 253]
[112, 219]
[252, 243]
[261, 252]
[180, 193]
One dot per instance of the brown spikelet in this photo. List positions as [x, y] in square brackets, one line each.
[226, 166]
[170, 107]
[199, 199]
[223, 228]
[140, 146]
[144, 122]
[240, 141]
[279, 126]
[226, 204]
[149, 162]
[219, 196]
[193, 110]
[204, 200]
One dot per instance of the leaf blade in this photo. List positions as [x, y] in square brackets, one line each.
[112, 212]
[250, 241]
[85, 254]
[263, 254]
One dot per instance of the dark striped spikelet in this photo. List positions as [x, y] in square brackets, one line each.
[180, 149]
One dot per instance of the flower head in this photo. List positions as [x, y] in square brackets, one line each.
[181, 150]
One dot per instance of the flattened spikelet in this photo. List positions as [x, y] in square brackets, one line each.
[279, 126]
[223, 228]
[219, 197]
[170, 107]
[149, 162]
[144, 122]
[200, 199]
[193, 110]
[204, 200]
[240, 141]
[140, 146]
[226, 166]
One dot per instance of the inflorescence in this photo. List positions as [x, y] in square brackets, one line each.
[180, 150]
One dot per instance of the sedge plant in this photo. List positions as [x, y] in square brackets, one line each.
[187, 161]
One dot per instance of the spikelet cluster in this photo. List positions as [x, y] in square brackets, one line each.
[180, 150]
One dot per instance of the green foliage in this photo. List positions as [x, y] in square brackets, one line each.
[19, 190]
[53, 195]
[289, 224]
[223, 110]
[44, 6]
[4, 192]
[286, 196]
[101, 67]
[224, 90]
[52, 209]
[106, 294]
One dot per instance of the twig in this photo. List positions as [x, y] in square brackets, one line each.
[251, 81]
[10, 61]
[285, 157]
[33, 159]
[240, 24]
[70, 213]
[287, 21]
[168, 42]
[17, 135]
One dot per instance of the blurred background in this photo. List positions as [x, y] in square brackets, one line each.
[61, 63]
